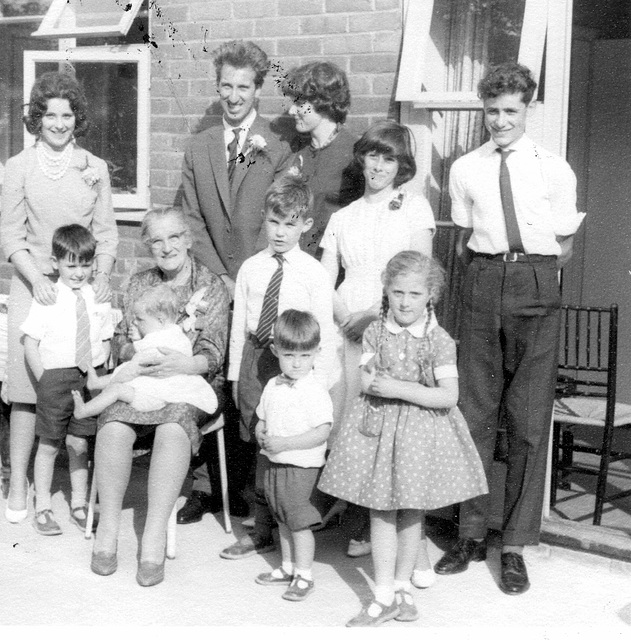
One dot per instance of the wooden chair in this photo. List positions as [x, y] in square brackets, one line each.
[216, 426]
[586, 395]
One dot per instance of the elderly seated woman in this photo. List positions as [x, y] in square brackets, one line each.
[204, 305]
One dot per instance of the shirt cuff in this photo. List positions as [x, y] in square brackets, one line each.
[568, 225]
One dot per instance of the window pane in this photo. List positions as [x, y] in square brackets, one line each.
[15, 39]
[14, 8]
[111, 90]
[469, 35]
[90, 13]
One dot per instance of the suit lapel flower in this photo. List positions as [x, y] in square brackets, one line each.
[256, 145]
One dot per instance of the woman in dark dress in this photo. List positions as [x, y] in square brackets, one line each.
[320, 101]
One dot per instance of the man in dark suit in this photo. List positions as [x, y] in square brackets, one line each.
[227, 170]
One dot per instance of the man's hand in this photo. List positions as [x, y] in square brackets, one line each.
[567, 246]
[102, 289]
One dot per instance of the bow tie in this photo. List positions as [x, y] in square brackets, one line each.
[283, 379]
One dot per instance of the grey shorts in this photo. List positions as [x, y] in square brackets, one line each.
[292, 493]
[54, 417]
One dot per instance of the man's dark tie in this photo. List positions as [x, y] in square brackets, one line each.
[83, 349]
[269, 310]
[232, 152]
[508, 204]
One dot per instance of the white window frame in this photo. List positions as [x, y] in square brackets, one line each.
[131, 53]
[68, 29]
[417, 51]
[544, 21]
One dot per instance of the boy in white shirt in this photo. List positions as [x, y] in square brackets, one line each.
[61, 340]
[303, 284]
[295, 416]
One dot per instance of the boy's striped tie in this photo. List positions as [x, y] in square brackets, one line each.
[269, 310]
[83, 350]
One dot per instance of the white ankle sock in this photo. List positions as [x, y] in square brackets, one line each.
[288, 568]
[406, 585]
[307, 574]
[384, 594]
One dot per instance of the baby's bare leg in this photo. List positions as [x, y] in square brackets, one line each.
[96, 382]
[108, 396]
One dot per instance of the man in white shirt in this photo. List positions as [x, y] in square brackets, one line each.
[514, 204]
[226, 172]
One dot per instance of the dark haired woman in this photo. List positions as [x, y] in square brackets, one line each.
[53, 183]
[362, 237]
[321, 100]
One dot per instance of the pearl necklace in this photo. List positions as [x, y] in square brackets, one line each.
[54, 167]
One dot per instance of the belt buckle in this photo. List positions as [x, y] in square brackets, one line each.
[511, 256]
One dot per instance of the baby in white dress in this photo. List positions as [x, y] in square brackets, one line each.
[155, 315]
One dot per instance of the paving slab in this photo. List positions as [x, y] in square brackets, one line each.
[47, 581]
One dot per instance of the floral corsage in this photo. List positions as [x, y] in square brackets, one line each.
[195, 311]
[256, 144]
[396, 202]
[90, 174]
[296, 170]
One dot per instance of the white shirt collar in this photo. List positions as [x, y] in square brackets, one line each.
[417, 329]
[244, 126]
[522, 144]
[62, 286]
[288, 255]
[300, 381]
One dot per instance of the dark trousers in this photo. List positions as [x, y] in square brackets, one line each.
[507, 364]
[205, 464]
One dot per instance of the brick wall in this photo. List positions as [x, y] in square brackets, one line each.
[361, 36]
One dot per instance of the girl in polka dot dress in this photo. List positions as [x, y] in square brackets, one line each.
[404, 447]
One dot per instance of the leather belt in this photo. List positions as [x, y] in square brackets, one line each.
[514, 256]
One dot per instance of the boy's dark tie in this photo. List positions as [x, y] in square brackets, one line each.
[232, 152]
[506, 193]
[83, 350]
[269, 310]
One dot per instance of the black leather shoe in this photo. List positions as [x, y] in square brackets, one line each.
[457, 559]
[196, 506]
[514, 579]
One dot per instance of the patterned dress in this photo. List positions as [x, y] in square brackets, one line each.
[421, 458]
[204, 317]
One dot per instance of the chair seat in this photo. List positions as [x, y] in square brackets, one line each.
[589, 411]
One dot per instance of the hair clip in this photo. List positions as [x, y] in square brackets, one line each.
[396, 202]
